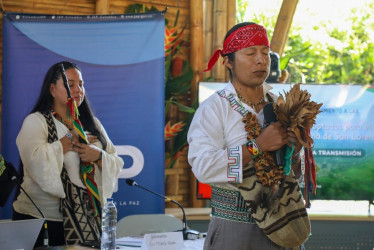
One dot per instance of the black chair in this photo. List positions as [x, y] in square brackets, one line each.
[7, 171]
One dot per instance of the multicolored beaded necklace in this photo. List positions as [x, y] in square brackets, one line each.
[251, 104]
[59, 118]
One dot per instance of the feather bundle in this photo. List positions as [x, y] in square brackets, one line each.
[297, 112]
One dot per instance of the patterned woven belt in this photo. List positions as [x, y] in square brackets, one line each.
[229, 205]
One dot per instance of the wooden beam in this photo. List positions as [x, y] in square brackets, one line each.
[219, 32]
[231, 21]
[197, 62]
[231, 14]
[208, 34]
[102, 7]
[197, 44]
[282, 27]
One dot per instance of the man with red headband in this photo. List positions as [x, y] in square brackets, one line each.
[219, 148]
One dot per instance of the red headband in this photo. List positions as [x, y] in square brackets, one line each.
[246, 36]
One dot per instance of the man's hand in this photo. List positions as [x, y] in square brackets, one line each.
[272, 137]
[292, 138]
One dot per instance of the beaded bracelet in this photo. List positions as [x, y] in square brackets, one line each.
[253, 148]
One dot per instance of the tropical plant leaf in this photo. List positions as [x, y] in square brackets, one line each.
[284, 60]
[167, 107]
[181, 107]
[180, 84]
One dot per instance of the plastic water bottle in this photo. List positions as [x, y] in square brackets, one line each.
[109, 225]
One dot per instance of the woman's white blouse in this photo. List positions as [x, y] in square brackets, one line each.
[43, 162]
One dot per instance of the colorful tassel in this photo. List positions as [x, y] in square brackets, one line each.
[310, 176]
[288, 159]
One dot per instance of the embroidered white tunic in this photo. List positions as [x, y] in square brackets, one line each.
[43, 162]
[216, 135]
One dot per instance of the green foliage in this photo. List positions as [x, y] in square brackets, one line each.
[179, 85]
[345, 57]
[241, 6]
[176, 85]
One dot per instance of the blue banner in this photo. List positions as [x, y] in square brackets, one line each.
[122, 62]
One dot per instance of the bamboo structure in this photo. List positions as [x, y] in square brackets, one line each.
[102, 7]
[197, 46]
[196, 60]
[219, 17]
[282, 27]
[219, 31]
[231, 14]
[208, 33]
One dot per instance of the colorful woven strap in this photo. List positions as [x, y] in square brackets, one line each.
[310, 177]
[87, 169]
[87, 172]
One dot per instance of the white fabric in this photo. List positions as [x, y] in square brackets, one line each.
[215, 128]
[43, 162]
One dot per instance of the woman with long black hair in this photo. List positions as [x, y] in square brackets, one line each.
[70, 165]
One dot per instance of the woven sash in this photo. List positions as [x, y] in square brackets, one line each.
[229, 205]
[79, 220]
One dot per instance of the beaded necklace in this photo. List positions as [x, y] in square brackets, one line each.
[59, 118]
[251, 104]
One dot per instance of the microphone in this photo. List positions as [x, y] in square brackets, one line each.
[188, 234]
[46, 237]
[271, 118]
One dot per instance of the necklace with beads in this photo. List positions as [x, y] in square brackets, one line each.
[69, 125]
[251, 104]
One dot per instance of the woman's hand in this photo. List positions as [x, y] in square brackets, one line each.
[67, 144]
[91, 138]
[87, 152]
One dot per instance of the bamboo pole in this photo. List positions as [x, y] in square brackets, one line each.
[219, 32]
[197, 45]
[231, 13]
[208, 33]
[196, 59]
[282, 27]
[231, 20]
[102, 7]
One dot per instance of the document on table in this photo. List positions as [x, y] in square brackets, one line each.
[129, 241]
[134, 243]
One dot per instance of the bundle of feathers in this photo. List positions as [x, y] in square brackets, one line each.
[297, 112]
[266, 170]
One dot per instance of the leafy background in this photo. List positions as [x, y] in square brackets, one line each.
[339, 36]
